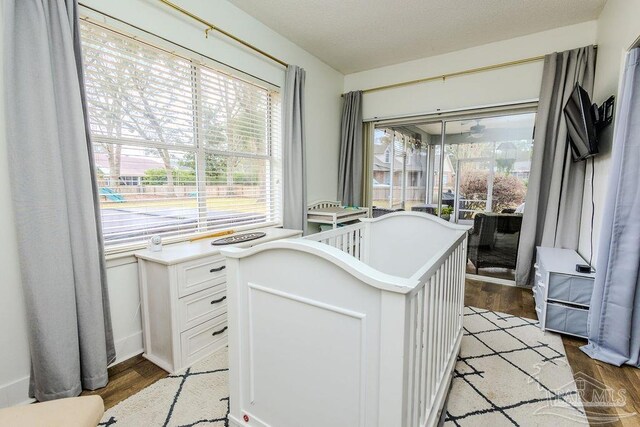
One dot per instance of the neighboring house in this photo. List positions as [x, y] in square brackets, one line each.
[132, 168]
[521, 169]
[415, 167]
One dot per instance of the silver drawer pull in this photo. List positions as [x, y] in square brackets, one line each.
[219, 332]
[215, 270]
[215, 301]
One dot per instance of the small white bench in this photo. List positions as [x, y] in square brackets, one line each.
[333, 213]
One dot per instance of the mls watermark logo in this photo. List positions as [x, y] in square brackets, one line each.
[582, 397]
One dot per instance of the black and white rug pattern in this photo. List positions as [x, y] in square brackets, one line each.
[197, 397]
[508, 373]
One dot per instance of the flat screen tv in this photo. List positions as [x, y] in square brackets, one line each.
[582, 119]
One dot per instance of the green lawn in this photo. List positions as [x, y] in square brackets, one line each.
[238, 204]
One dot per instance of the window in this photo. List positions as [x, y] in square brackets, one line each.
[180, 148]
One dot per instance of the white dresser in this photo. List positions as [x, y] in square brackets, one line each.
[183, 296]
[562, 294]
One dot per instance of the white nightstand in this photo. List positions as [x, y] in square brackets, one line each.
[183, 296]
[562, 294]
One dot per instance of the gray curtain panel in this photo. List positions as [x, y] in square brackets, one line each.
[554, 194]
[351, 151]
[54, 200]
[294, 199]
[614, 314]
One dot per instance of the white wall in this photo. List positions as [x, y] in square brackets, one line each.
[507, 85]
[618, 28]
[323, 105]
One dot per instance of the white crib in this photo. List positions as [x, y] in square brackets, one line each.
[358, 326]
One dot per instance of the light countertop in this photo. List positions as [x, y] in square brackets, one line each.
[562, 261]
[187, 251]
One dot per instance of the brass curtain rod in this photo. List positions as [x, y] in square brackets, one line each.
[443, 77]
[211, 27]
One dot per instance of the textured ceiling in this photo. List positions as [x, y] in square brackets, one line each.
[357, 35]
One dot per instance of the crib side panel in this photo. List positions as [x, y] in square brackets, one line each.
[434, 322]
[307, 341]
[401, 244]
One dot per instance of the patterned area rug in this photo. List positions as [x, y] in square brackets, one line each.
[509, 373]
[198, 397]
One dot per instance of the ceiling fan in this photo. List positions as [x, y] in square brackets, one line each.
[477, 130]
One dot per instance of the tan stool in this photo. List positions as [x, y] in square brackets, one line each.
[82, 411]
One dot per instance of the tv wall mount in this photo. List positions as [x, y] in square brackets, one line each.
[605, 113]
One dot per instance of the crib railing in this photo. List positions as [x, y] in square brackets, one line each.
[349, 239]
[435, 333]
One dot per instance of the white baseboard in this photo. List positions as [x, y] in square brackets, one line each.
[488, 279]
[128, 347]
[15, 393]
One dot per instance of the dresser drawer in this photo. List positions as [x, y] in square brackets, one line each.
[573, 289]
[203, 339]
[562, 318]
[202, 306]
[194, 276]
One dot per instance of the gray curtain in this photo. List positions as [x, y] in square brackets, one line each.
[614, 314]
[54, 199]
[351, 151]
[294, 201]
[554, 194]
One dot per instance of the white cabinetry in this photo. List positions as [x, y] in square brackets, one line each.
[183, 294]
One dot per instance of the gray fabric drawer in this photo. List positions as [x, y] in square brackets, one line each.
[566, 319]
[573, 289]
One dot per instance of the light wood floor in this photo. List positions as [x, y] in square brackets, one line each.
[131, 376]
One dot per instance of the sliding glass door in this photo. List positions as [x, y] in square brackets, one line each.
[470, 169]
[400, 165]
[491, 159]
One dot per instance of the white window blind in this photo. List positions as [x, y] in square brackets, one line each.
[180, 148]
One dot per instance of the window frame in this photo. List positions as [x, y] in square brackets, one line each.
[273, 155]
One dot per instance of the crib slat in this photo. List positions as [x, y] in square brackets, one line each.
[439, 323]
[447, 308]
[452, 297]
[445, 314]
[461, 271]
[423, 360]
[411, 350]
[418, 360]
[450, 287]
[445, 337]
[443, 303]
[430, 340]
[458, 295]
